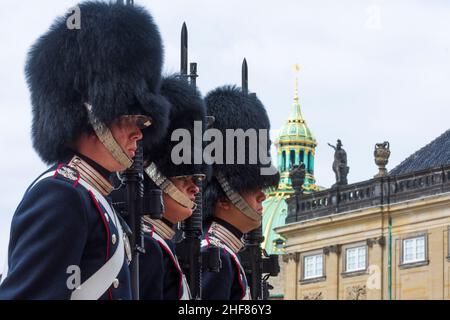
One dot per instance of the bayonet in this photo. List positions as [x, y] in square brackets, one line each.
[244, 76]
[184, 51]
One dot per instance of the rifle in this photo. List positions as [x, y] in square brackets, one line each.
[188, 249]
[129, 205]
[258, 265]
[134, 192]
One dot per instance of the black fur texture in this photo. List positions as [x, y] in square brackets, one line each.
[113, 62]
[187, 106]
[234, 109]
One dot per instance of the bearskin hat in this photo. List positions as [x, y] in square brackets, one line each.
[113, 62]
[187, 107]
[234, 109]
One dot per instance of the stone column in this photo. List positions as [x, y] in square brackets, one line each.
[290, 264]
[332, 271]
[437, 257]
[374, 283]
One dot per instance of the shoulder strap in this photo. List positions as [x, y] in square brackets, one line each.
[243, 278]
[97, 284]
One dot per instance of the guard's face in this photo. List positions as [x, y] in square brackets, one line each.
[127, 132]
[227, 211]
[175, 212]
[254, 199]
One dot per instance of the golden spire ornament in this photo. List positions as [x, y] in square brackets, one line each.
[296, 68]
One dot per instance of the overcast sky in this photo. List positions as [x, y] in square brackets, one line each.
[371, 71]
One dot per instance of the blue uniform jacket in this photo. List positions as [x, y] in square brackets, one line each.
[56, 226]
[226, 284]
[159, 277]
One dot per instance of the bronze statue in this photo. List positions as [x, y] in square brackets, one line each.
[297, 175]
[340, 167]
[381, 153]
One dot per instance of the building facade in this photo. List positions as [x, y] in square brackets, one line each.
[385, 238]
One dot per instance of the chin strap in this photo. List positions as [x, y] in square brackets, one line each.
[237, 200]
[168, 187]
[107, 139]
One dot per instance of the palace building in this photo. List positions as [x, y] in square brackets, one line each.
[384, 238]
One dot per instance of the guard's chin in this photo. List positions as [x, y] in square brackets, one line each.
[183, 213]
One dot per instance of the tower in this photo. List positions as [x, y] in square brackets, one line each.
[295, 143]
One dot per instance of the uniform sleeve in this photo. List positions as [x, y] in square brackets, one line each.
[218, 285]
[151, 271]
[48, 235]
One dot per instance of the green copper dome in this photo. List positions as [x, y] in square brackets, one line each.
[295, 129]
[275, 213]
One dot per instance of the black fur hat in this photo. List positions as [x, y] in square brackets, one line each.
[113, 61]
[187, 106]
[234, 109]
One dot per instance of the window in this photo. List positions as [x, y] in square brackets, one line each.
[313, 266]
[292, 159]
[302, 157]
[414, 250]
[356, 259]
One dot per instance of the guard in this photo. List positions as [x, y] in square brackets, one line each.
[93, 90]
[233, 198]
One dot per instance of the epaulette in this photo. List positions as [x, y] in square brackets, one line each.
[68, 173]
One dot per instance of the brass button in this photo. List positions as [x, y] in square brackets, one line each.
[113, 239]
[116, 283]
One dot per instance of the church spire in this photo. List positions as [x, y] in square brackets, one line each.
[296, 112]
[296, 143]
[296, 70]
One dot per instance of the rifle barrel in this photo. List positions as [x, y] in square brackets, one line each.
[184, 51]
[133, 177]
[244, 76]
